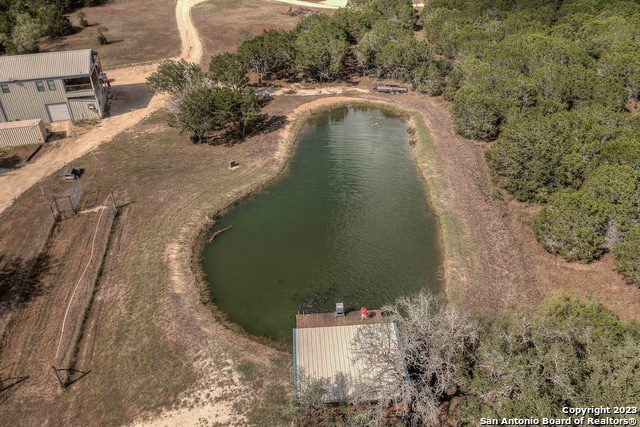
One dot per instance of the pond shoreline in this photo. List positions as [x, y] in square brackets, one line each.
[419, 139]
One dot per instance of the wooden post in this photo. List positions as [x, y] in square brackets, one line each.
[55, 374]
[53, 211]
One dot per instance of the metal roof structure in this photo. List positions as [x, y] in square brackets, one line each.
[40, 66]
[327, 354]
[20, 123]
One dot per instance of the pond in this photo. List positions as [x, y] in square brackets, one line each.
[348, 221]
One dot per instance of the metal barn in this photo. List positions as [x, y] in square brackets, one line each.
[52, 86]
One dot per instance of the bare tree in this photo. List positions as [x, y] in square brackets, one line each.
[436, 346]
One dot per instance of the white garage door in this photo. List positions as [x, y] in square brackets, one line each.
[58, 112]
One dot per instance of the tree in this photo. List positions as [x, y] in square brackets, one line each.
[200, 112]
[205, 109]
[524, 366]
[241, 107]
[6, 25]
[438, 342]
[428, 79]
[321, 51]
[627, 256]
[54, 23]
[356, 22]
[622, 62]
[228, 69]
[617, 187]
[573, 225]
[399, 12]
[81, 18]
[270, 52]
[373, 42]
[25, 36]
[102, 39]
[174, 77]
[526, 52]
[478, 114]
[400, 60]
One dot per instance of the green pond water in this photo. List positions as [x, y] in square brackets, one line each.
[348, 221]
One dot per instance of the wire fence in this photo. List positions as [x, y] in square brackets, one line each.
[68, 203]
[79, 303]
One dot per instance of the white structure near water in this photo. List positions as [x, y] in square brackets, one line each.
[323, 350]
[52, 86]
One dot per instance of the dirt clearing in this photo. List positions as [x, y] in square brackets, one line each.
[224, 24]
[139, 31]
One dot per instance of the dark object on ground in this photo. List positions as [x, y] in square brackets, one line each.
[71, 172]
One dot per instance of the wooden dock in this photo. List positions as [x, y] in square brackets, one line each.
[323, 320]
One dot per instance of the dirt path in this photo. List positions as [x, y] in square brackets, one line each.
[123, 116]
[191, 44]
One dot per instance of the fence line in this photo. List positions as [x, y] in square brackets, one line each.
[88, 280]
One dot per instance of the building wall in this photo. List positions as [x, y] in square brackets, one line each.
[24, 102]
[80, 109]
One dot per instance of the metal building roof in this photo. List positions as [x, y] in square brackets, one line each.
[326, 354]
[45, 65]
[20, 123]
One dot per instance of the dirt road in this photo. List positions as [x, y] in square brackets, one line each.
[126, 111]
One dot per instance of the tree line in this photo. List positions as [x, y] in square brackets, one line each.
[23, 23]
[552, 82]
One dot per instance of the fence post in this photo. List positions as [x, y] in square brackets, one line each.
[55, 374]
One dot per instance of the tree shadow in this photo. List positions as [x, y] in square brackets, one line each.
[128, 97]
[268, 124]
[21, 281]
[10, 162]
[263, 124]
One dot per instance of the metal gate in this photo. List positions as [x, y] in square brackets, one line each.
[58, 112]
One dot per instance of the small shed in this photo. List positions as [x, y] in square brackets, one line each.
[23, 132]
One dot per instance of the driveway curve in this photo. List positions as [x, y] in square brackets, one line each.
[17, 182]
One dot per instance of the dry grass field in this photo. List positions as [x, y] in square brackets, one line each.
[144, 335]
[139, 31]
[151, 343]
[224, 24]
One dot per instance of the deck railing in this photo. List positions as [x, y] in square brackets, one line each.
[73, 88]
